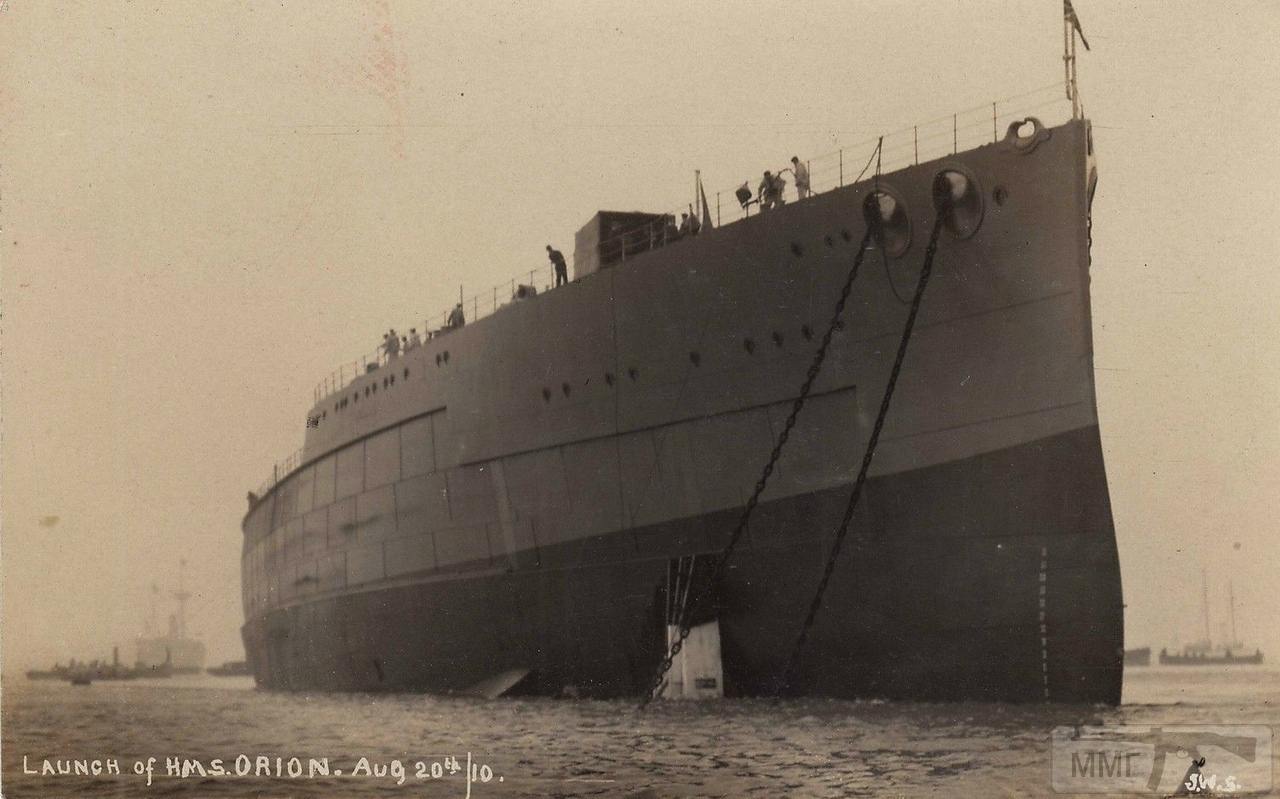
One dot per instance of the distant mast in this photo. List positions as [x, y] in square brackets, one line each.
[1204, 598]
[1231, 600]
[182, 595]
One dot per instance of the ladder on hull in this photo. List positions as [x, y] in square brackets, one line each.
[697, 671]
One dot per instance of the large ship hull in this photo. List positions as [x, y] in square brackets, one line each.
[518, 506]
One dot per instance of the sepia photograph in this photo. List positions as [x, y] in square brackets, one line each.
[411, 398]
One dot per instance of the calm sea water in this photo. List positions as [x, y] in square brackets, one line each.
[732, 748]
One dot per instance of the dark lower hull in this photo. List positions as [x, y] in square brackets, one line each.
[994, 577]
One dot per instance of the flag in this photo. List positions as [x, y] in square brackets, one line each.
[1070, 14]
[706, 212]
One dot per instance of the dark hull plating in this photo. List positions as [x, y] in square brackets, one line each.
[510, 495]
[936, 599]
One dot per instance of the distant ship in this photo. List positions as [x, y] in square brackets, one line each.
[1204, 652]
[78, 672]
[1138, 657]
[174, 652]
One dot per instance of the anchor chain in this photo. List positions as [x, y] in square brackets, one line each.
[867, 456]
[713, 581]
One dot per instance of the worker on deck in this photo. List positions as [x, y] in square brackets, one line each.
[557, 260]
[414, 339]
[391, 344]
[695, 224]
[801, 172]
[456, 317]
[770, 191]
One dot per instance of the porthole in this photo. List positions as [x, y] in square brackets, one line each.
[546, 395]
[796, 249]
[446, 356]
[890, 225]
[437, 359]
[633, 373]
[366, 391]
[749, 345]
[695, 358]
[392, 378]
[777, 339]
[957, 198]
[830, 242]
[406, 373]
[608, 378]
[807, 332]
[565, 388]
[999, 194]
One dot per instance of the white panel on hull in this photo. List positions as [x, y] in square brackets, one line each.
[471, 497]
[342, 523]
[382, 458]
[422, 505]
[417, 447]
[375, 515]
[305, 480]
[315, 526]
[325, 481]
[350, 470]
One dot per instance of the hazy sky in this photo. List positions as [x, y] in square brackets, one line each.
[207, 206]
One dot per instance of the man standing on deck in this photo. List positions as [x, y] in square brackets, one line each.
[557, 260]
[456, 317]
[801, 172]
[769, 192]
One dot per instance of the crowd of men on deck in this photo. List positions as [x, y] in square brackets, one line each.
[768, 195]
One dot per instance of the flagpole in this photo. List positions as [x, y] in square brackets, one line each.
[1066, 61]
[1075, 85]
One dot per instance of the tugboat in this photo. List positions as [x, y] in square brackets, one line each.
[1138, 657]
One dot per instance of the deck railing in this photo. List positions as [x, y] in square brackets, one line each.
[926, 141]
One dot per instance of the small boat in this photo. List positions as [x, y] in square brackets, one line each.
[81, 679]
[231, 668]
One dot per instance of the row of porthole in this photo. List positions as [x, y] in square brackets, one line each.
[953, 190]
[372, 388]
[695, 358]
